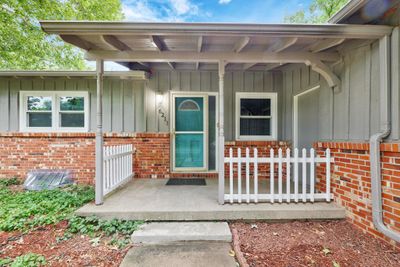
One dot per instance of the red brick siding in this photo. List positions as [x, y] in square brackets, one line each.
[22, 152]
[263, 150]
[351, 183]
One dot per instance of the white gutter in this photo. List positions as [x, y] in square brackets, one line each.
[349, 9]
[82, 28]
[375, 141]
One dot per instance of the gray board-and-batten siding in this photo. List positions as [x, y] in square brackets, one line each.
[123, 100]
[353, 113]
[130, 106]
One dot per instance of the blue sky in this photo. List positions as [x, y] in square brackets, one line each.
[244, 11]
[240, 11]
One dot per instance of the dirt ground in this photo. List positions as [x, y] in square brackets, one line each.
[77, 251]
[325, 243]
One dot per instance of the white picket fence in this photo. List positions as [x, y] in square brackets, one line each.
[290, 164]
[117, 168]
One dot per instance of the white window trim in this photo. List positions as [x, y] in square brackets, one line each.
[23, 109]
[274, 116]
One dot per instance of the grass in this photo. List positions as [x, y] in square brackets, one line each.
[26, 210]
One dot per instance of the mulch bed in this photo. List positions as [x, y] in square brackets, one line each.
[77, 251]
[318, 243]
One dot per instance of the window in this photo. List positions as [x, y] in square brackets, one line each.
[256, 116]
[47, 111]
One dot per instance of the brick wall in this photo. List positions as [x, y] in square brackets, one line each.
[22, 152]
[263, 150]
[351, 183]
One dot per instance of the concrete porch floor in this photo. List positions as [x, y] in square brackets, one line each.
[152, 200]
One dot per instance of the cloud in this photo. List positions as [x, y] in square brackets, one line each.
[157, 10]
[224, 2]
[139, 11]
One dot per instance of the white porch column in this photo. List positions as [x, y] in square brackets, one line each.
[221, 137]
[99, 133]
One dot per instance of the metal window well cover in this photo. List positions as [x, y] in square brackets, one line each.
[47, 179]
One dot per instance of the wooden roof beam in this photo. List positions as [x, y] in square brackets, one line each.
[199, 48]
[325, 44]
[188, 56]
[116, 43]
[279, 46]
[241, 44]
[161, 46]
[272, 66]
[79, 42]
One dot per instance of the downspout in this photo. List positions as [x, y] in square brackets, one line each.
[375, 140]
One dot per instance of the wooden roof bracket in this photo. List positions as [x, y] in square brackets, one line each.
[326, 72]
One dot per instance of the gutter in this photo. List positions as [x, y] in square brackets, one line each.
[375, 141]
[349, 9]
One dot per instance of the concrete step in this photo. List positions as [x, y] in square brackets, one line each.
[193, 254]
[169, 232]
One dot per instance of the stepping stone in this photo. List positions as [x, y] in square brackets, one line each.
[188, 254]
[160, 232]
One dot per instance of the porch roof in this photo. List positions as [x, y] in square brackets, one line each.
[131, 75]
[143, 46]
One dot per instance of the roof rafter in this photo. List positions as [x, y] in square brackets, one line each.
[241, 44]
[325, 44]
[272, 66]
[199, 48]
[79, 42]
[282, 44]
[279, 46]
[116, 43]
[161, 46]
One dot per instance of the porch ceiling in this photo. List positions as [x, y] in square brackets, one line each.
[143, 46]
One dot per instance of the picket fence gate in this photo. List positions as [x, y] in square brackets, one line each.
[117, 167]
[292, 166]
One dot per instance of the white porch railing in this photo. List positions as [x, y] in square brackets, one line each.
[117, 167]
[298, 186]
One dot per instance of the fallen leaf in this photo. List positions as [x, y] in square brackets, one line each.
[335, 264]
[254, 226]
[232, 253]
[274, 233]
[326, 251]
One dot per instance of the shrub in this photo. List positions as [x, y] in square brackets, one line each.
[9, 181]
[26, 260]
[30, 209]
[120, 230]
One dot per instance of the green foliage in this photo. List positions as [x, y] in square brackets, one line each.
[319, 11]
[23, 44]
[9, 182]
[26, 260]
[120, 230]
[30, 209]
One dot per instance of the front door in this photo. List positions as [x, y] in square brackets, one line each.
[189, 131]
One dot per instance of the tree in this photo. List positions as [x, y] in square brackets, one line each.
[319, 11]
[23, 44]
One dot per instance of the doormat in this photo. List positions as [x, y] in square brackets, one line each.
[191, 181]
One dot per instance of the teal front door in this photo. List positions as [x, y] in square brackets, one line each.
[189, 132]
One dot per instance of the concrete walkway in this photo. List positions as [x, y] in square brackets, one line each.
[152, 200]
[181, 244]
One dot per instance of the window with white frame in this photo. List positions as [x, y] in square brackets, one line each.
[49, 111]
[256, 116]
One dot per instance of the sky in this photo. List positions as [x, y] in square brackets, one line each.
[243, 11]
[237, 11]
